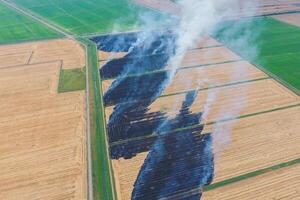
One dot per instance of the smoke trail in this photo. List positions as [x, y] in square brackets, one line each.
[198, 18]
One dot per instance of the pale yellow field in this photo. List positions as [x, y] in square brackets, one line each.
[68, 51]
[276, 140]
[280, 184]
[242, 99]
[42, 133]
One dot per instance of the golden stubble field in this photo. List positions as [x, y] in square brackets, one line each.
[42, 133]
[255, 142]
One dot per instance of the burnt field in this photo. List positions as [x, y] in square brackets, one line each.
[161, 137]
[179, 158]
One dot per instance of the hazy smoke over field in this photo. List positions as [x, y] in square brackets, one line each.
[196, 19]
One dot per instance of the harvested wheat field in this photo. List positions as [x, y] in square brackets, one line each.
[261, 95]
[255, 151]
[293, 19]
[68, 51]
[207, 76]
[258, 146]
[103, 55]
[279, 184]
[208, 56]
[213, 75]
[212, 56]
[43, 143]
[126, 172]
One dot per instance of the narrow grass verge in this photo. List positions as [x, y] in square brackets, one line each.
[103, 181]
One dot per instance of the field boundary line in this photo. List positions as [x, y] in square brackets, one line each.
[217, 86]
[251, 174]
[30, 64]
[193, 49]
[27, 41]
[30, 57]
[243, 177]
[180, 68]
[203, 89]
[155, 134]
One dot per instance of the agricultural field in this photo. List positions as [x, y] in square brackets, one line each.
[92, 16]
[93, 103]
[43, 132]
[15, 27]
[293, 19]
[276, 53]
[218, 77]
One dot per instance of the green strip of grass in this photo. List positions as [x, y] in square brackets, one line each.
[251, 174]
[103, 181]
[216, 86]
[15, 27]
[71, 80]
[271, 45]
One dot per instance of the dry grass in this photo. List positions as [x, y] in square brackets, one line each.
[43, 144]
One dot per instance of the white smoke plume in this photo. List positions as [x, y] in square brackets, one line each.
[199, 18]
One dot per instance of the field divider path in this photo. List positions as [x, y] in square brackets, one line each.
[203, 89]
[104, 181]
[251, 174]
[180, 68]
[246, 176]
